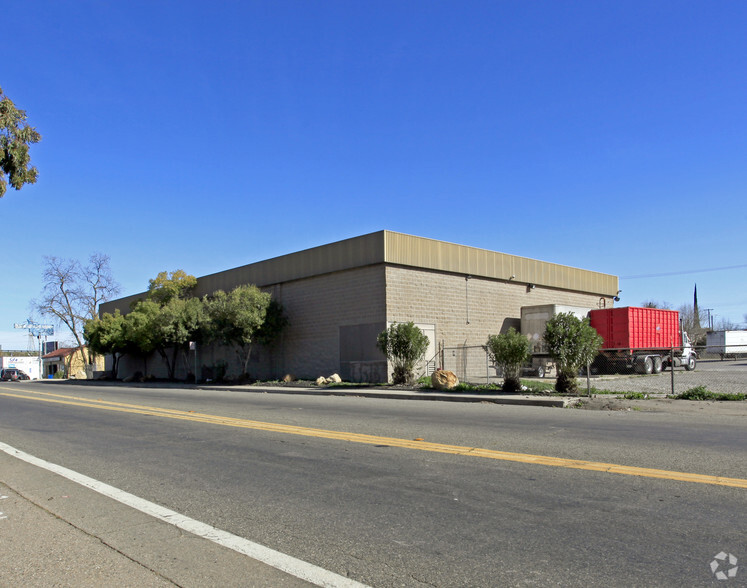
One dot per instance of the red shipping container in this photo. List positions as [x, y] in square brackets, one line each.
[630, 327]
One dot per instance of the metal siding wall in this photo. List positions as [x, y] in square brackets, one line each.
[405, 250]
[430, 254]
[342, 255]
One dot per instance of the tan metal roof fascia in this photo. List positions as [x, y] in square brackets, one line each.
[123, 304]
[400, 249]
[340, 255]
[408, 250]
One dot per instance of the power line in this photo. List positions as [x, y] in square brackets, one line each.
[683, 273]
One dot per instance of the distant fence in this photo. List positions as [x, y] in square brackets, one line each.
[719, 370]
[471, 364]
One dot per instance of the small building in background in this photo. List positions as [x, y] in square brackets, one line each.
[26, 361]
[69, 361]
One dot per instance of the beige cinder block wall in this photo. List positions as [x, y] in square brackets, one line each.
[466, 311]
[325, 311]
[332, 317]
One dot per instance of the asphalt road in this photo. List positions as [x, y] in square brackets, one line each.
[387, 515]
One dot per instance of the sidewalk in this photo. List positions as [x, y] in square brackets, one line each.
[55, 532]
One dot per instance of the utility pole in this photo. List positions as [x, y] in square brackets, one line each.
[709, 319]
[37, 330]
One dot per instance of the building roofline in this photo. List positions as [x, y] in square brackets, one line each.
[390, 247]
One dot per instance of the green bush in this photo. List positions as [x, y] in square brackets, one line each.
[404, 345]
[509, 351]
[572, 343]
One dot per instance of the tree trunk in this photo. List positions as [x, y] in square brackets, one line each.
[169, 364]
[115, 364]
[246, 359]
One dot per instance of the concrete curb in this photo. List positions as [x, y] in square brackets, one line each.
[389, 394]
[519, 400]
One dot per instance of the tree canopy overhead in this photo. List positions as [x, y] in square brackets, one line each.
[170, 317]
[15, 137]
[165, 287]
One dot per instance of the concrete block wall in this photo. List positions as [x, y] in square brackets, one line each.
[317, 307]
[466, 312]
[310, 346]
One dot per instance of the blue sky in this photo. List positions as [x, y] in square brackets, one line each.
[202, 136]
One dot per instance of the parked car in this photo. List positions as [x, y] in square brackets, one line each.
[13, 374]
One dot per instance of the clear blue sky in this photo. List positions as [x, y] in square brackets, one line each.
[201, 136]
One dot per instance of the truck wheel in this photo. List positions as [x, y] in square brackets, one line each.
[690, 364]
[644, 365]
[658, 365]
[541, 371]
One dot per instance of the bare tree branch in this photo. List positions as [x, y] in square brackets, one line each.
[72, 293]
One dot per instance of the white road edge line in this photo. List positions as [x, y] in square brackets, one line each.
[286, 563]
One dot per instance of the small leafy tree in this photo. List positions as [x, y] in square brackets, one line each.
[509, 351]
[275, 322]
[178, 318]
[404, 345]
[237, 319]
[140, 331]
[15, 138]
[177, 323]
[572, 343]
[107, 336]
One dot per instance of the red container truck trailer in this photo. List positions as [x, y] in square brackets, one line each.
[643, 339]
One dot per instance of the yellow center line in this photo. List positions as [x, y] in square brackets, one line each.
[379, 440]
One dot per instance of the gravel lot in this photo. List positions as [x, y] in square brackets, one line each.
[717, 376]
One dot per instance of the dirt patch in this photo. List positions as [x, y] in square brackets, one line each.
[732, 408]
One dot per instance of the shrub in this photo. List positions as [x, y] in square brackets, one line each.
[509, 351]
[404, 345]
[572, 343]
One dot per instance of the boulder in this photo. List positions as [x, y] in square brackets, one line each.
[334, 378]
[289, 378]
[321, 381]
[444, 380]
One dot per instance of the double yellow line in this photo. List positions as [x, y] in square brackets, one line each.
[378, 440]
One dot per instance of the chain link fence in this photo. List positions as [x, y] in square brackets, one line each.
[471, 364]
[720, 370]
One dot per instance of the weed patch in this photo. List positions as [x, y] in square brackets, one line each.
[703, 393]
[635, 396]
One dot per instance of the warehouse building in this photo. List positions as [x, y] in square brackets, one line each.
[339, 296]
